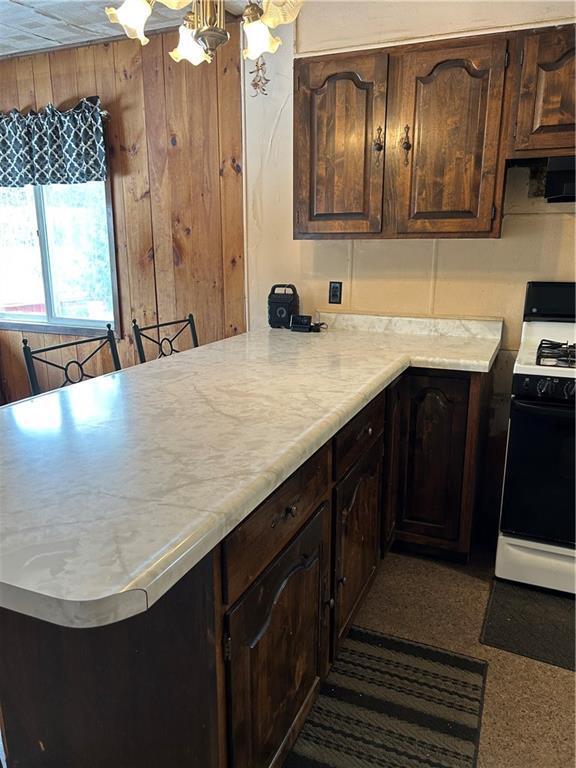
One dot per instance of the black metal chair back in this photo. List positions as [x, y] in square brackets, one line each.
[74, 369]
[165, 344]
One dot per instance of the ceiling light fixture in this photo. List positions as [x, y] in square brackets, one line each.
[203, 29]
[259, 39]
[132, 15]
[189, 47]
[210, 17]
[175, 5]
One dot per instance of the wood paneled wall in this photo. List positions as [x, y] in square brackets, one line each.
[175, 147]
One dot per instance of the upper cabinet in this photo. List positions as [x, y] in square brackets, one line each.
[442, 138]
[411, 142]
[340, 120]
[545, 114]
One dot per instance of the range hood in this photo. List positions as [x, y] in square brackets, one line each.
[560, 180]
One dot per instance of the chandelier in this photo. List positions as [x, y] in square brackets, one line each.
[203, 27]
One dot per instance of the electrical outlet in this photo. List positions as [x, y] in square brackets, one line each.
[335, 292]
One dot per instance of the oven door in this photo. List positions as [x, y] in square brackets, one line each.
[538, 501]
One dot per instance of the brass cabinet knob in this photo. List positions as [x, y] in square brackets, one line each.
[406, 145]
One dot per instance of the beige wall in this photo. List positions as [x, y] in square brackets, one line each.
[334, 24]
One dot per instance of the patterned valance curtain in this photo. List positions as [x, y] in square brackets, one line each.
[52, 146]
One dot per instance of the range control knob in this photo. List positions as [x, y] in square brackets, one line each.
[569, 390]
[544, 387]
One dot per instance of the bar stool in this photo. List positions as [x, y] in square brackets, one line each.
[74, 369]
[165, 344]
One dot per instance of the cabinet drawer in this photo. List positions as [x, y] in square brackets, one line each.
[357, 435]
[256, 542]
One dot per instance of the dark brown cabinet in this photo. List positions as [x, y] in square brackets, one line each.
[442, 139]
[357, 514]
[277, 647]
[392, 460]
[441, 419]
[399, 145]
[435, 413]
[340, 118]
[545, 113]
[412, 141]
[252, 546]
[142, 691]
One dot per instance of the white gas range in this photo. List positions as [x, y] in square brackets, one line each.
[537, 523]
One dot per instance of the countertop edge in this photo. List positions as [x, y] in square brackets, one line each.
[74, 614]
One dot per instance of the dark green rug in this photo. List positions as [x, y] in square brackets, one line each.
[390, 703]
[531, 622]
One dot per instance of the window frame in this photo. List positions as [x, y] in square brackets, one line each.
[61, 325]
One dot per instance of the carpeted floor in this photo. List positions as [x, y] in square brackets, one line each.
[529, 707]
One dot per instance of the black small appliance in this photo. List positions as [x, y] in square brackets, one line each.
[283, 302]
[560, 187]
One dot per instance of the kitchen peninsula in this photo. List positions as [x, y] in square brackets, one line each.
[169, 529]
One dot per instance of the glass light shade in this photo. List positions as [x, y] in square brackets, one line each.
[132, 15]
[189, 48]
[259, 40]
[278, 12]
[175, 5]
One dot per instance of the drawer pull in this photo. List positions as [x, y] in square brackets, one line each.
[288, 512]
[330, 603]
[342, 580]
[366, 431]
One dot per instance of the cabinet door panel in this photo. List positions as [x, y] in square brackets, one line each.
[339, 113]
[358, 531]
[392, 460]
[435, 421]
[278, 645]
[442, 141]
[546, 112]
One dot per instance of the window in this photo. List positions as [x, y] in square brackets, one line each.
[57, 257]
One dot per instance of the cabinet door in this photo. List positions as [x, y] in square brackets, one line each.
[442, 138]
[339, 124]
[357, 533]
[392, 461]
[546, 97]
[278, 647]
[434, 412]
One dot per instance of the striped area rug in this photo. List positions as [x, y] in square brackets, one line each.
[390, 703]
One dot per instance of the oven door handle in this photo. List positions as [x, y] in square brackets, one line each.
[561, 409]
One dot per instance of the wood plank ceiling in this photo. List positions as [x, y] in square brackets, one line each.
[31, 26]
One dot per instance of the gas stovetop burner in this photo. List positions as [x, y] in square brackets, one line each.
[556, 354]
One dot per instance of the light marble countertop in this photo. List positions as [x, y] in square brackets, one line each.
[112, 489]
